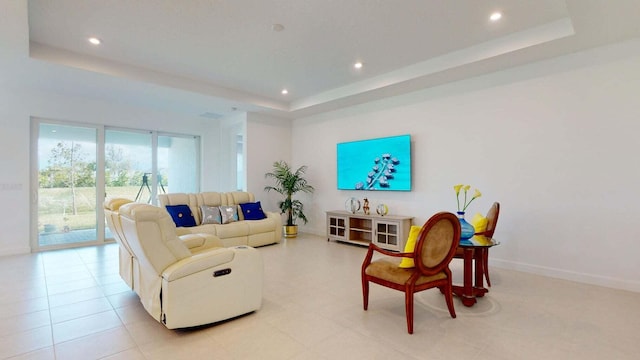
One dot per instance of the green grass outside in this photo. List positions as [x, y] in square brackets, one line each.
[56, 211]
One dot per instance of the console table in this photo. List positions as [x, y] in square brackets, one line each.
[389, 232]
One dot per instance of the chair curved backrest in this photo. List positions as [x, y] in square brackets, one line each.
[492, 219]
[437, 243]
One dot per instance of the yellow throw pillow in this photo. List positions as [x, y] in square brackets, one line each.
[480, 223]
[410, 247]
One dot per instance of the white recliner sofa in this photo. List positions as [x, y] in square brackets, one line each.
[183, 288]
[128, 264]
[242, 232]
[127, 261]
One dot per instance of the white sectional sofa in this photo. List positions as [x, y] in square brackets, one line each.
[239, 232]
[183, 287]
[129, 265]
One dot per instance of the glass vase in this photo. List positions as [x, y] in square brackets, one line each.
[466, 229]
[352, 205]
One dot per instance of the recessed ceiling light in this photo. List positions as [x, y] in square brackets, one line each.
[495, 16]
[358, 65]
[284, 91]
[94, 40]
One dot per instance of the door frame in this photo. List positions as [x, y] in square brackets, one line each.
[34, 185]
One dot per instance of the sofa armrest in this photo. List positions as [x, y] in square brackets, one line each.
[182, 231]
[201, 241]
[274, 215]
[199, 262]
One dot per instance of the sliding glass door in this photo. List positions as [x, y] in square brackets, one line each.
[128, 164]
[79, 166]
[178, 159]
[66, 199]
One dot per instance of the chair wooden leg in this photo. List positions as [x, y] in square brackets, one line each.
[365, 293]
[408, 302]
[485, 265]
[448, 296]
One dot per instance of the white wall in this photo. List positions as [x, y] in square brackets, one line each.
[268, 140]
[553, 142]
[227, 168]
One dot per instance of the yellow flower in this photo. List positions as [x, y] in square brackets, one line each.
[466, 188]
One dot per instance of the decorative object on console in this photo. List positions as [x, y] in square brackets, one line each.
[365, 207]
[382, 209]
[466, 229]
[352, 205]
[181, 215]
[288, 183]
[391, 168]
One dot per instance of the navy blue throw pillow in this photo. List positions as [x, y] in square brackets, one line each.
[252, 211]
[181, 215]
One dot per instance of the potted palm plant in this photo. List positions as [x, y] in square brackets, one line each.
[287, 183]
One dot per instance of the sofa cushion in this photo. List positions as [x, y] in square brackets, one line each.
[232, 230]
[179, 199]
[211, 198]
[228, 214]
[261, 226]
[252, 211]
[210, 215]
[239, 197]
[181, 215]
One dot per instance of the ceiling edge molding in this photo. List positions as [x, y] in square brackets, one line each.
[535, 36]
[94, 64]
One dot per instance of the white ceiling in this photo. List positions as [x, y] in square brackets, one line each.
[209, 56]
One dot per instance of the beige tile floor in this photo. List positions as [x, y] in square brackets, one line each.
[71, 304]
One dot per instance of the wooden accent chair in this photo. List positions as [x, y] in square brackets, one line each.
[435, 247]
[492, 217]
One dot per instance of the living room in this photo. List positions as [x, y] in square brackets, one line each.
[552, 140]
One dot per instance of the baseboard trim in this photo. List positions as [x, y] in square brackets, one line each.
[15, 251]
[568, 275]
